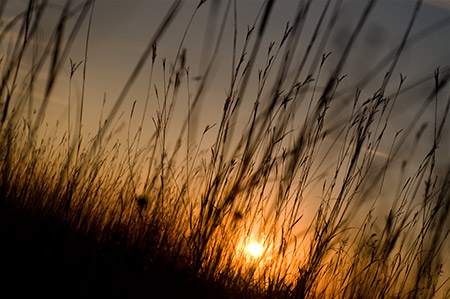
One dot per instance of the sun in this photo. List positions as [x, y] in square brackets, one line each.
[254, 249]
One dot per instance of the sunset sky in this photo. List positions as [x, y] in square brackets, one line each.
[315, 143]
[121, 30]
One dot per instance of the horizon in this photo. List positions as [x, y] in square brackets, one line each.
[272, 145]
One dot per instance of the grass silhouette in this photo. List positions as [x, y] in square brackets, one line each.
[86, 216]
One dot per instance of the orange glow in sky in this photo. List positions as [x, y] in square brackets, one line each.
[254, 249]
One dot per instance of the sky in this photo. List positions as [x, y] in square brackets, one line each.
[122, 29]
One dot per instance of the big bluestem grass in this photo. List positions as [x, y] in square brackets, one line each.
[189, 210]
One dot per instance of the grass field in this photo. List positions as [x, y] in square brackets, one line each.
[303, 188]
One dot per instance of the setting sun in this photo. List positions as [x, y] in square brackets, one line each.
[229, 149]
[254, 249]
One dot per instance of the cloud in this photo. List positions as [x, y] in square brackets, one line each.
[439, 3]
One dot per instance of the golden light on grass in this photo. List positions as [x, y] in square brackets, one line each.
[254, 249]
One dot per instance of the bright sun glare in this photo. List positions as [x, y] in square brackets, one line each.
[255, 249]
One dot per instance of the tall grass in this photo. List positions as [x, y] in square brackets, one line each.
[183, 213]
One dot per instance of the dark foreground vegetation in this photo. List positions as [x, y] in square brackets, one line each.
[157, 216]
[43, 256]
